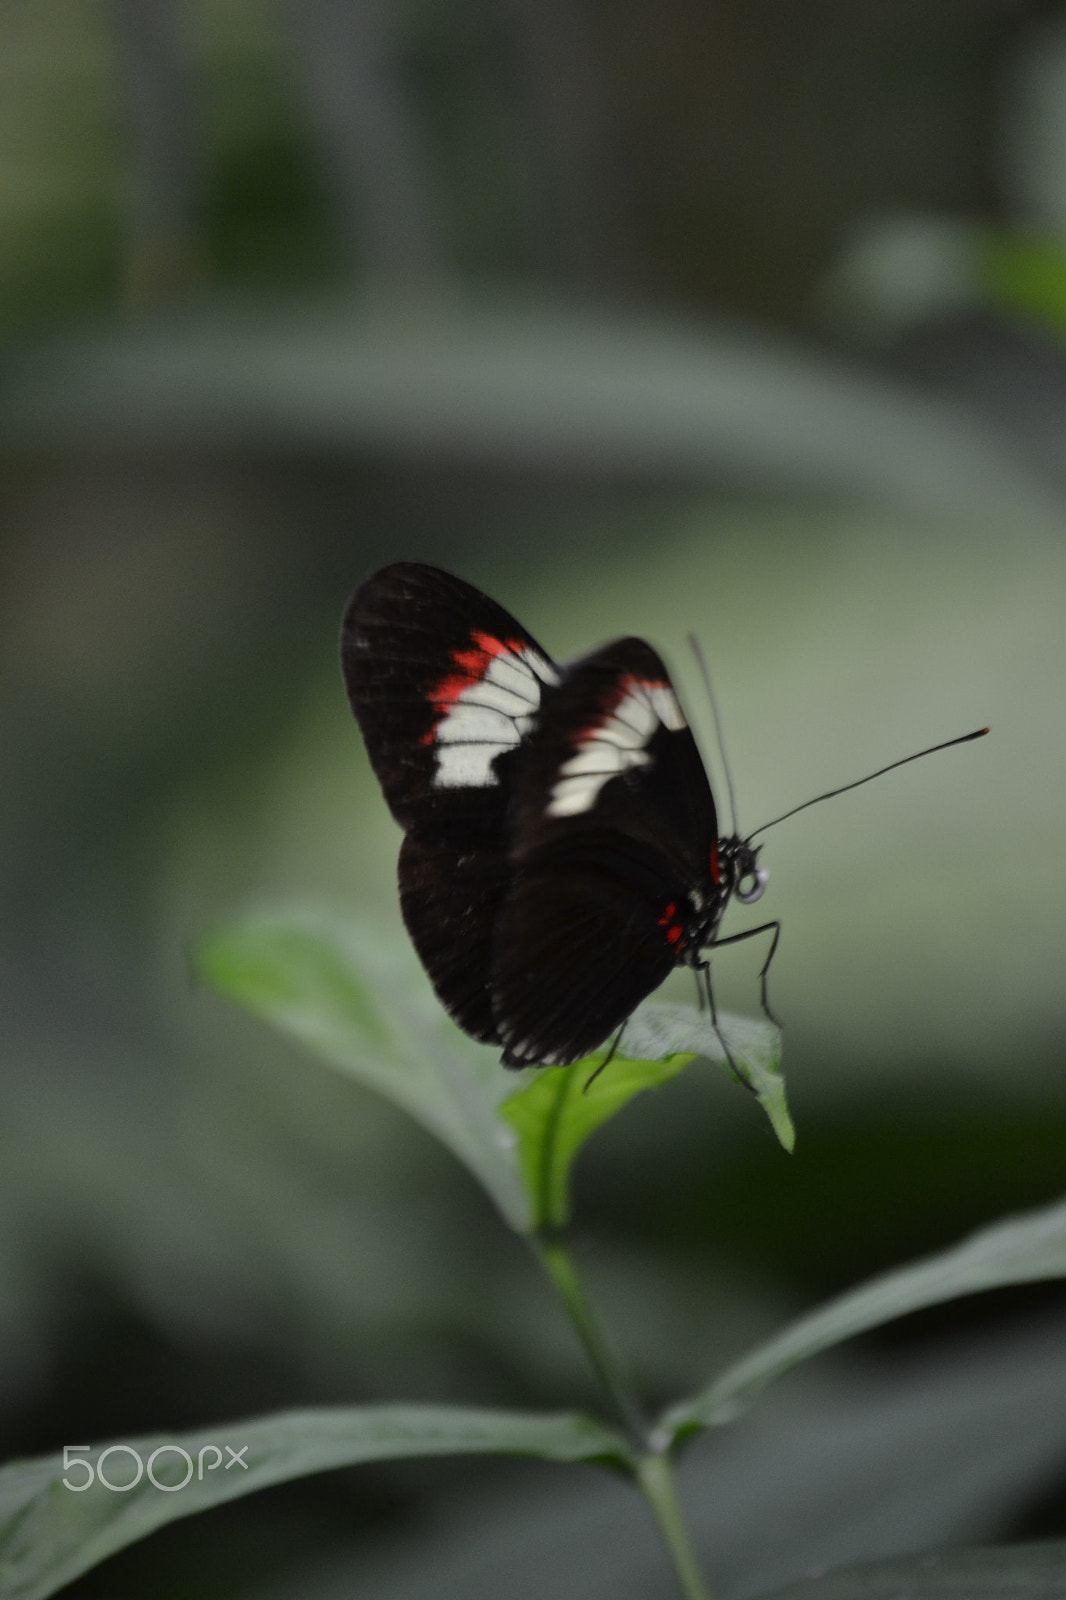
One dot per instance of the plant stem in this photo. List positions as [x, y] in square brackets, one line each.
[555, 1259]
[656, 1478]
[652, 1469]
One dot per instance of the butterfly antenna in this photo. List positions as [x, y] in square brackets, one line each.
[694, 646]
[963, 738]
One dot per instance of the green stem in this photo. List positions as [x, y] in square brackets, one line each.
[656, 1479]
[651, 1468]
[555, 1259]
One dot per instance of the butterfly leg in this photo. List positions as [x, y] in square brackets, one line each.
[608, 1058]
[750, 933]
[705, 968]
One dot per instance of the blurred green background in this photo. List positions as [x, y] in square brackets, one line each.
[747, 319]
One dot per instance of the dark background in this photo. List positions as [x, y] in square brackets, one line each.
[645, 317]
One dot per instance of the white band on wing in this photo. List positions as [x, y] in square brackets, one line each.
[486, 707]
[614, 745]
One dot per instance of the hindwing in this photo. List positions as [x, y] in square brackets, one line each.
[614, 754]
[585, 931]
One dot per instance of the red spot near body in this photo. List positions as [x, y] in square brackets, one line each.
[716, 870]
[472, 665]
[673, 929]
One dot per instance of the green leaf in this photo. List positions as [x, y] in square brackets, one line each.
[1025, 272]
[49, 1533]
[1023, 1249]
[560, 1107]
[364, 1007]
[656, 1030]
[1020, 1572]
[553, 1116]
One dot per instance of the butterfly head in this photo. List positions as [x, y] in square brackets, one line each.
[741, 873]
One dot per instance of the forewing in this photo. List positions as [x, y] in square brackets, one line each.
[445, 686]
[613, 753]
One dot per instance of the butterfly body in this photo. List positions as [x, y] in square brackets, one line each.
[561, 852]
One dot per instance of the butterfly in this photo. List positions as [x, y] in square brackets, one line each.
[561, 852]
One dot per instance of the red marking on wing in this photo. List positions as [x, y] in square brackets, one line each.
[472, 666]
[673, 929]
[716, 866]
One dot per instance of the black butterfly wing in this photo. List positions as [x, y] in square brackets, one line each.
[445, 686]
[452, 887]
[582, 936]
[613, 849]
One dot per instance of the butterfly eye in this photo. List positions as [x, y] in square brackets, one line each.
[751, 885]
